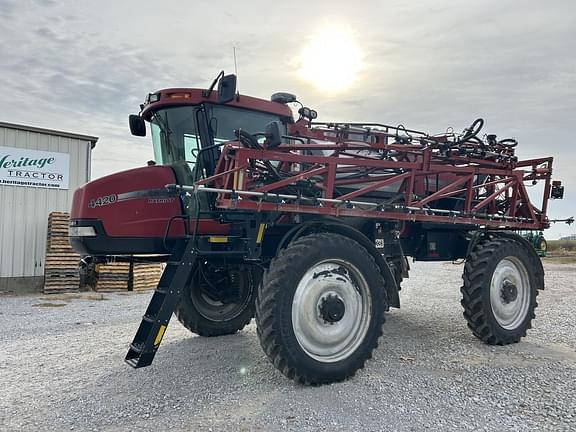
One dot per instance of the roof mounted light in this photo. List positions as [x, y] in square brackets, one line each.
[283, 98]
[308, 113]
[152, 97]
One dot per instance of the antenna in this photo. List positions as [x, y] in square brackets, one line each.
[236, 72]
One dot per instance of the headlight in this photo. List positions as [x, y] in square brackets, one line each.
[81, 231]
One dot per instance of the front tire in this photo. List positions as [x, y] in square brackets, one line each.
[320, 308]
[502, 277]
[219, 300]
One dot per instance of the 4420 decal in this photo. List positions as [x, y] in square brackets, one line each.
[103, 201]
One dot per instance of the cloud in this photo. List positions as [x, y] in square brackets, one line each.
[7, 9]
[46, 3]
[84, 67]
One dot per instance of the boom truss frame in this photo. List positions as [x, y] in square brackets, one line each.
[335, 170]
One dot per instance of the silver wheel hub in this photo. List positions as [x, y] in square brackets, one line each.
[331, 310]
[510, 293]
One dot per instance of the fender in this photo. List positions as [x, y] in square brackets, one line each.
[527, 245]
[393, 299]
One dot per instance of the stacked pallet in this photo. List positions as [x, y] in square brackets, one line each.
[145, 276]
[112, 277]
[61, 264]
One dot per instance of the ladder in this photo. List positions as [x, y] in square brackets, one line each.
[175, 277]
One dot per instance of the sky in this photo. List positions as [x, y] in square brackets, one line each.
[84, 66]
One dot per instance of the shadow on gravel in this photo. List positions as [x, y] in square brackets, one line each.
[427, 328]
[194, 374]
[215, 367]
[188, 365]
[49, 305]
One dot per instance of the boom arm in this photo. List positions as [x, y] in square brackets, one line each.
[387, 173]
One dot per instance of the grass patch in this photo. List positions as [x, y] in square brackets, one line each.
[561, 252]
[562, 246]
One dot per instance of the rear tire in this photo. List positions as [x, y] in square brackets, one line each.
[320, 308]
[542, 246]
[502, 277]
[207, 313]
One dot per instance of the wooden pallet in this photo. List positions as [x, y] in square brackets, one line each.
[145, 276]
[61, 263]
[58, 283]
[113, 277]
[55, 243]
[60, 290]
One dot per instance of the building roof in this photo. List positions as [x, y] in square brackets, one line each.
[89, 138]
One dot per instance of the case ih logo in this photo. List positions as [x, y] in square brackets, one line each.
[32, 168]
[161, 200]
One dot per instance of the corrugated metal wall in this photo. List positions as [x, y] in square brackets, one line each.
[24, 210]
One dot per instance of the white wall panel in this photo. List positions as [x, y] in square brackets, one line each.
[24, 210]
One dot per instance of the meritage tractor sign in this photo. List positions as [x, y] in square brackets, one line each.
[33, 168]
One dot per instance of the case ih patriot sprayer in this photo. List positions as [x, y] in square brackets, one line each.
[306, 226]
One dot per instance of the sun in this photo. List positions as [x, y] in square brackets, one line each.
[332, 60]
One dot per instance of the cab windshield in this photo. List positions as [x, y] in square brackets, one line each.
[179, 133]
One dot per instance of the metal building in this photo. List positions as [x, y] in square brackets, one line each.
[39, 171]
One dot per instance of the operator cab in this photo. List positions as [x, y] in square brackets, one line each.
[188, 126]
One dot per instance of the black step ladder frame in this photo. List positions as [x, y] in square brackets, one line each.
[175, 277]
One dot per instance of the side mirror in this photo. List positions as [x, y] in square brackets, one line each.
[273, 135]
[557, 191]
[226, 88]
[137, 125]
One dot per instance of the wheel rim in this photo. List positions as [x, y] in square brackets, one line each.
[218, 311]
[510, 293]
[543, 245]
[331, 310]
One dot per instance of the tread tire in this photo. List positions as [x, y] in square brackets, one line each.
[193, 320]
[477, 277]
[274, 307]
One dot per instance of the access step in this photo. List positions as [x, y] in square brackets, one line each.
[175, 277]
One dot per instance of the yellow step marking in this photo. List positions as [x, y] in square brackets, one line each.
[260, 233]
[160, 335]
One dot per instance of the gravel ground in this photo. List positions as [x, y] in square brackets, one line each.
[61, 368]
